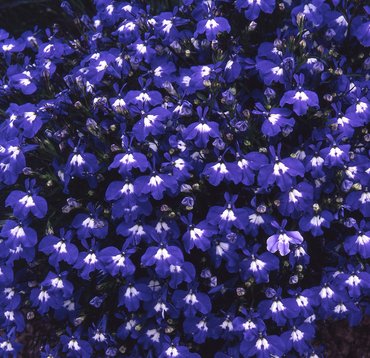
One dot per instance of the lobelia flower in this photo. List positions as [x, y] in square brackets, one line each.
[328, 294]
[198, 235]
[125, 162]
[174, 349]
[58, 283]
[226, 217]
[282, 240]
[212, 26]
[298, 337]
[152, 337]
[312, 10]
[315, 220]
[162, 256]
[155, 185]
[202, 130]
[262, 346]
[59, 249]
[274, 120]
[122, 194]
[143, 49]
[200, 328]
[27, 202]
[272, 64]
[74, 346]
[278, 309]
[151, 122]
[166, 25]
[355, 280]
[98, 335]
[335, 154]
[359, 200]
[361, 28]
[257, 265]
[131, 294]
[87, 262]
[117, 261]
[346, 123]
[254, 7]
[258, 218]
[18, 233]
[360, 242]
[298, 199]
[280, 171]
[134, 231]
[90, 225]
[305, 301]
[357, 169]
[44, 299]
[80, 163]
[224, 250]
[217, 172]
[178, 166]
[250, 324]
[6, 275]
[26, 117]
[12, 159]
[299, 256]
[181, 273]
[301, 99]
[249, 164]
[9, 346]
[191, 302]
[23, 82]
[314, 163]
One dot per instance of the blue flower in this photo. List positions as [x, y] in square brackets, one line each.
[226, 217]
[192, 301]
[125, 162]
[315, 221]
[59, 249]
[275, 119]
[301, 99]
[258, 266]
[44, 299]
[170, 350]
[116, 261]
[253, 7]
[24, 203]
[151, 122]
[299, 337]
[262, 346]
[18, 233]
[198, 235]
[131, 294]
[74, 346]
[278, 309]
[212, 26]
[80, 163]
[360, 242]
[282, 240]
[87, 262]
[202, 130]
[359, 200]
[162, 256]
[280, 171]
[90, 225]
[23, 82]
[156, 185]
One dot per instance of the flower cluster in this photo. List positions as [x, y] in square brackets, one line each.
[185, 182]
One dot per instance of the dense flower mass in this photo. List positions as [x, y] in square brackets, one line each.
[187, 181]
